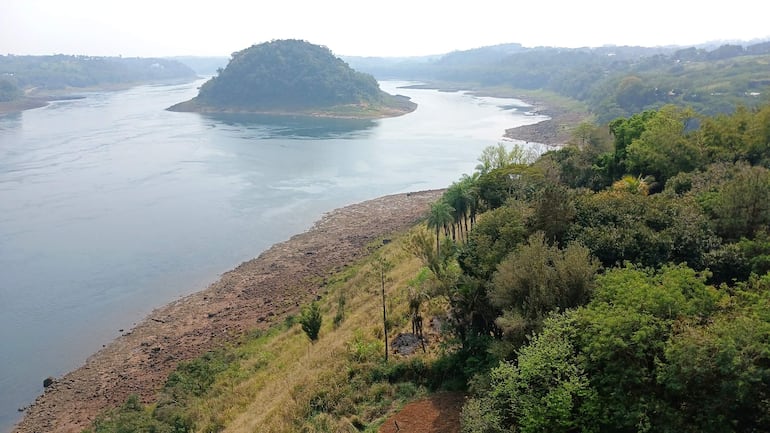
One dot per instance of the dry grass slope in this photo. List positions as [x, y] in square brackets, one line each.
[286, 384]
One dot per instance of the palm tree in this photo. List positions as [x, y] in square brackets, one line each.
[471, 192]
[439, 216]
[454, 197]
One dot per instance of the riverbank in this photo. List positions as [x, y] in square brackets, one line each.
[554, 132]
[37, 98]
[256, 294]
[22, 104]
[394, 106]
[565, 114]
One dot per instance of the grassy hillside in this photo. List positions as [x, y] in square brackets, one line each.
[278, 381]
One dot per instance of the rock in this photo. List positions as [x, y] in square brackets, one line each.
[48, 381]
[405, 344]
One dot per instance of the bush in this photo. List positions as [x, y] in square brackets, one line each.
[311, 319]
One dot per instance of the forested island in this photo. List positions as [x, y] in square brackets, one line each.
[294, 77]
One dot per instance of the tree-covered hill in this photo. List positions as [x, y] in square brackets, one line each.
[290, 76]
[614, 81]
[65, 71]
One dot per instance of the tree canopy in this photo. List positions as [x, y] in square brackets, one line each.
[288, 74]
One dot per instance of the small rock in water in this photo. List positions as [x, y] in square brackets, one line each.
[48, 381]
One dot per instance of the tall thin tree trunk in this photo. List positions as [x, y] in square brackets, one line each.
[384, 316]
[438, 243]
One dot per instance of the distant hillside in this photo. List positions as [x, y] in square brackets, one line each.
[614, 81]
[204, 66]
[64, 71]
[293, 76]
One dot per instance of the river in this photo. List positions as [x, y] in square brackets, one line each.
[111, 206]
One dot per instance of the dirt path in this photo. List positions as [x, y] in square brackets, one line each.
[256, 293]
[439, 413]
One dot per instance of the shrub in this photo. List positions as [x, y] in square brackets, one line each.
[311, 319]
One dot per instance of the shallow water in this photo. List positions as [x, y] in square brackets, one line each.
[111, 206]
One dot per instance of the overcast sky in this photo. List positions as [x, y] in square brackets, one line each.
[348, 27]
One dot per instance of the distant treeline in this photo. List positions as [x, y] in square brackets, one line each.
[62, 71]
[205, 66]
[613, 81]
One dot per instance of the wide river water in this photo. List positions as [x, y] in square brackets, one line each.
[111, 206]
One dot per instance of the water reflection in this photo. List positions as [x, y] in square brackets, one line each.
[10, 121]
[267, 126]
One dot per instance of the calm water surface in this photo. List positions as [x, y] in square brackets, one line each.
[111, 206]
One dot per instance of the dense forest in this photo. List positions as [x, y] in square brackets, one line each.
[619, 284]
[62, 71]
[613, 81]
[288, 74]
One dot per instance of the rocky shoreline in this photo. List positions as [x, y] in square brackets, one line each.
[401, 106]
[22, 104]
[256, 294]
[554, 132]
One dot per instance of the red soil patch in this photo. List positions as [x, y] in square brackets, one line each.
[439, 413]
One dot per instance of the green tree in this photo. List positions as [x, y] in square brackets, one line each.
[458, 197]
[494, 237]
[470, 189]
[553, 211]
[630, 361]
[536, 279]
[742, 207]
[577, 160]
[619, 226]
[624, 131]
[440, 217]
[547, 389]
[310, 319]
[664, 148]
[497, 157]
[633, 95]
[721, 372]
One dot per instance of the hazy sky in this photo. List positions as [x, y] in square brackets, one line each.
[347, 27]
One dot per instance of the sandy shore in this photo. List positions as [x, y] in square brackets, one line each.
[554, 132]
[21, 105]
[256, 294]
